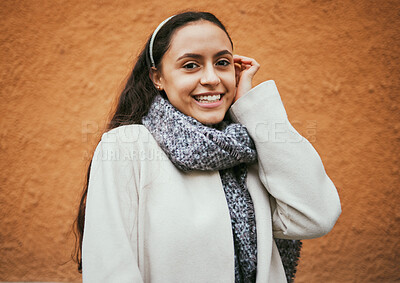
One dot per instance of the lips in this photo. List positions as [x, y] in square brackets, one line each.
[209, 100]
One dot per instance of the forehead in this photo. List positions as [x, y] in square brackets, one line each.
[198, 37]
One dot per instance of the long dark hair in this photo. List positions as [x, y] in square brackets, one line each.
[137, 95]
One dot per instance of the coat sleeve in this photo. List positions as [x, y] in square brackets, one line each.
[304, 201]
[109, 252]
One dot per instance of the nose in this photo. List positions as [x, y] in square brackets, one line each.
[209, 76]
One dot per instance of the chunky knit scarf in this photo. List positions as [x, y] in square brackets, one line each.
[226, 147]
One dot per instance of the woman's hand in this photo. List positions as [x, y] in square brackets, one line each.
[245, 69]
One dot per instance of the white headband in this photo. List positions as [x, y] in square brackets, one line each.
[152, 40]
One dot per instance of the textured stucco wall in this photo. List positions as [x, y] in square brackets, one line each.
[336, 64]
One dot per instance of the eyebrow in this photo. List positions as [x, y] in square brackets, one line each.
[197, 56]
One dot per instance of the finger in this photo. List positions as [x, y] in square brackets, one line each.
[239, 58]
[248, 67]
[247, 63]
[251, 62]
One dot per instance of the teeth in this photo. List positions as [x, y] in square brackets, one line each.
[208, 98]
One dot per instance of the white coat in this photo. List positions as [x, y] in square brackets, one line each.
[147, 221]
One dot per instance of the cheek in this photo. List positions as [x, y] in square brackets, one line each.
[188, 84]
[230, 81]
[178, 89]
[181, 85]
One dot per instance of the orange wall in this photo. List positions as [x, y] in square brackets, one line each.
[336, 64]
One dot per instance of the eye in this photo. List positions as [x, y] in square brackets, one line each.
[190, 66]
[223, 62]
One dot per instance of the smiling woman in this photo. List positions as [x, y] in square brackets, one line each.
[197, 72]
[208, 208]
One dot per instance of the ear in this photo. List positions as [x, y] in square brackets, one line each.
[238, 69]
[155, 76]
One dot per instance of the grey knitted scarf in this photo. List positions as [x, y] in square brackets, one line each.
[226, 147]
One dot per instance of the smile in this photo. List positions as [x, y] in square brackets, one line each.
[208, 98]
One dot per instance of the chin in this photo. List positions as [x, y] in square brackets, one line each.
[210, 120]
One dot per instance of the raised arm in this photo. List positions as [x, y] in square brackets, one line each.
[305, 203]
[109, 250]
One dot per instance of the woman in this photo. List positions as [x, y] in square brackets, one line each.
[198, 172]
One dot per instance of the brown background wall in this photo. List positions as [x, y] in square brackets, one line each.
[336, 64]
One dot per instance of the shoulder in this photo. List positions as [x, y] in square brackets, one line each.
[261, 103]
[127, 140]
[127, 135]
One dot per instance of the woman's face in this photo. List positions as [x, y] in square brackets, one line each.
[197, 72]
